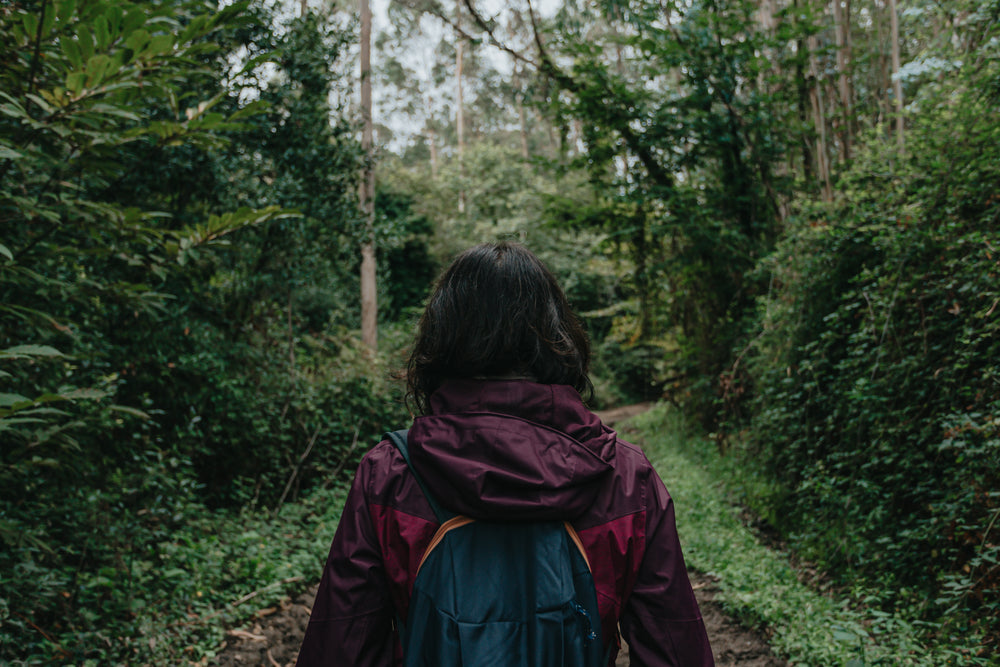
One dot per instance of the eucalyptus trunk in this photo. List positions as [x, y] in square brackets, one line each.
[460, 104]
[842, 32]
[819, 122]
[432, 147]
[369, 304]
[897, 84]
[521, 114]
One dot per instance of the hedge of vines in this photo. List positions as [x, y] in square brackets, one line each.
[877, 368]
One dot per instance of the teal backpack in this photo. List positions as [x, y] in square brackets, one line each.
[500, 594]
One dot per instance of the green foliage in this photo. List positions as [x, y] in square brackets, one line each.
[167, 576]
[512, 198]
[681, 137]
[81, 82]
[176, 301]
[876, 371]
[410, 267]
[807, 627]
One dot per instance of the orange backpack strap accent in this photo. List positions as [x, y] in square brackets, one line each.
[444, 529]
[578, 542]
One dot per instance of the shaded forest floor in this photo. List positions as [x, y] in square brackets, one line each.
[272, 638]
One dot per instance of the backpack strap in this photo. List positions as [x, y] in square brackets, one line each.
[445, 528]
[575, 537]
[400, 438]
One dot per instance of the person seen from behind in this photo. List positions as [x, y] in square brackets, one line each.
[498, 374]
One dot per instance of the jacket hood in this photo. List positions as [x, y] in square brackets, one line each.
[511, 450]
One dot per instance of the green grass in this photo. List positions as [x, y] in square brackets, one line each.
[760, 586]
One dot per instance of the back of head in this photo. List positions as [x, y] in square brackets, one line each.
[497, 312]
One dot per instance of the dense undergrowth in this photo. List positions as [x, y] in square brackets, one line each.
[809, 623]
[176, 314]
[132, 565]
[172, 580]
[874, 376]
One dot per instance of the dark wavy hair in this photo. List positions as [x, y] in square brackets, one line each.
[497, 311]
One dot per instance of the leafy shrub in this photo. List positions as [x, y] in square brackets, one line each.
[156, 582]
[154, 356]
[878, 386]
[763, 586]
[639, 370]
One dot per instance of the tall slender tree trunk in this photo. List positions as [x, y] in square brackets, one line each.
[765, 16]
[897, 84]
[369, 306]
[802, 104]
[522, 119]
[880, 81]
[768, 26]
[303, 10]
[819, 120]
[432, 138]
[432, 147]
[460, 115]
[842, 31]
[521, 115]
[619, 56]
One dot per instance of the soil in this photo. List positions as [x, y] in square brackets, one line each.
[732, 643]
[615, 415]
[273, 637]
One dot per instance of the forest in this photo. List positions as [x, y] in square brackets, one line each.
[779, 219]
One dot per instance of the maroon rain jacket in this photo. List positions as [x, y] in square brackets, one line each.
[507, 450]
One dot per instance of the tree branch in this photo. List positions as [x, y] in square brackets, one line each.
[485, 26]
[618, 116]
[36, 56]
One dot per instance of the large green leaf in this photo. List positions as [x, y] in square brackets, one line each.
[27, 351]
[10, 400]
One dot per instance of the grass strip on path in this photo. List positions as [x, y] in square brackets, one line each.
[759, 585]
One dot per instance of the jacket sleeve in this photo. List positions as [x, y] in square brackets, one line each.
[351, 621]
[661, 621]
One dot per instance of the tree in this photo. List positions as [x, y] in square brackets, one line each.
[897, 84]
[842, 32]
[460, 102]
[873, 365]
[86, 84]
[178, 289]
[680, 139]
[369, 309]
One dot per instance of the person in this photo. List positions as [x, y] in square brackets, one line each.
[498, 375]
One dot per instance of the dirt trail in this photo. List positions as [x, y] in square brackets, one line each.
[273, 637]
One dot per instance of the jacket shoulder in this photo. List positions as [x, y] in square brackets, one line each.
[389, 482]
[628, 488]
[630, 459]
